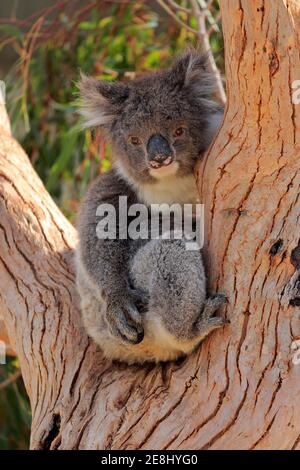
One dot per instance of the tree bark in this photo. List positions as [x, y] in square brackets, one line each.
[4, 339]
[240, 389]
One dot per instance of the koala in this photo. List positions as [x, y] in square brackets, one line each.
[145, 300]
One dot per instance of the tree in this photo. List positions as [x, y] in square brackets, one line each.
[240, 388]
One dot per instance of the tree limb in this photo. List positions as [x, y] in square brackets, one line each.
[11, 379]
[203, 36]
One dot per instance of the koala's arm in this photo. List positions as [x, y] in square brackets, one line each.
[105, 261]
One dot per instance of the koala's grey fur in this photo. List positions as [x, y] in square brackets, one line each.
[146, 300]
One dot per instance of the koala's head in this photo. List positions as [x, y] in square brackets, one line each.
[159, 125]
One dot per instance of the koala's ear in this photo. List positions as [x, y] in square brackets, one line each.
[101, 100]
[190, 70]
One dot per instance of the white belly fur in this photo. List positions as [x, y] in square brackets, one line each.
[170, 190]
[157, 345]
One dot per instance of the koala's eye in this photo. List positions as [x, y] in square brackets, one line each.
[135, 140]
[178, 132]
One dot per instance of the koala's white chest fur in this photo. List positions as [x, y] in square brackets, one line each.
[167, 189]
[170, 190]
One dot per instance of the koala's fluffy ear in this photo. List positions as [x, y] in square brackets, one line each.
[101, 100]
[190, 70]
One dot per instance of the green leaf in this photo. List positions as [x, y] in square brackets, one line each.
[11, 30]
[68, 143]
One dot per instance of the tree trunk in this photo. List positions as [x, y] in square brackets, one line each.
[240, 389]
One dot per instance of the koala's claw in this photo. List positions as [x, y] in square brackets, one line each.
[213, 304]
[217, 322]
[128, 333]
[221, 298]
[125, 322]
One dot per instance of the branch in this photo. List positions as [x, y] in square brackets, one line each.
[201, 32]
[4, 338]
[204, 41]
[205, 7]
[12, 378]
[175, 17]
[4, 121]
[177, 7]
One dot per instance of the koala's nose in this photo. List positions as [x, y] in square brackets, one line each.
[159, 151]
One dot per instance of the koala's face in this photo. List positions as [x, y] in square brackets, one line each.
[159, 125]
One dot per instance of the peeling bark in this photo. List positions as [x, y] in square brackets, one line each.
[240, 389]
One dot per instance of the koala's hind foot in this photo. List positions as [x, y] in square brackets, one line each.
[207, 322]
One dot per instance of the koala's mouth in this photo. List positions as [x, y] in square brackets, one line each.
[158, 164]
[165, 169]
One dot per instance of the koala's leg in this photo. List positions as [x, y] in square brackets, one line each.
[179, 315]
[175, 281]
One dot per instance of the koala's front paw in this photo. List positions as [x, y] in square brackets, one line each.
[124, 319]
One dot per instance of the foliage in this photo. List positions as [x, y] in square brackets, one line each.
[114, 41]
[110, 40]
[14, 411]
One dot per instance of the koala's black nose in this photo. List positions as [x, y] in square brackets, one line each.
[159, 151]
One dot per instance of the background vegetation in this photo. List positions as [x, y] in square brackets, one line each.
[108, 39]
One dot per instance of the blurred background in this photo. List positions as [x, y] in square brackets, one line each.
[43, 46]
